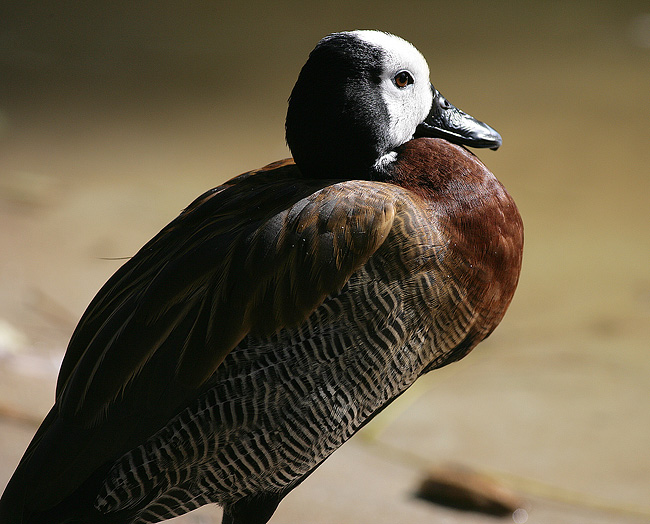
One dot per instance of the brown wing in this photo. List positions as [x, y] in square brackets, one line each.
[257, 254]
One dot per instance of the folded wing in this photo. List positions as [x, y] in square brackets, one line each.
[257, 254]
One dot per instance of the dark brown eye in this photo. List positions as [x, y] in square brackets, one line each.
[402, 79]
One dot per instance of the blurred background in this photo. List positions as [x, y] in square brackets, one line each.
[115, 115]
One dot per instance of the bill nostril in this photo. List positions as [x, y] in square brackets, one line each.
[444, 104]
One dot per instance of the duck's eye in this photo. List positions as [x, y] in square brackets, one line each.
[402, 79]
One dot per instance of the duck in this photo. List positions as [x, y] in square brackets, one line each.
[284, 309]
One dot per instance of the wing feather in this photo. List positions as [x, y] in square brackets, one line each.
[255, 255]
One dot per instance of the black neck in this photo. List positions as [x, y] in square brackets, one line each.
[335, 115]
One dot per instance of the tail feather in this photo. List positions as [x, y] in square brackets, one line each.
[20, 505]
[54, 470]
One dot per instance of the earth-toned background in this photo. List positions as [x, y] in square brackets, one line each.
[113, 119]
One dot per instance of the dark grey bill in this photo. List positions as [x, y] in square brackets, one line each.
[448, 122]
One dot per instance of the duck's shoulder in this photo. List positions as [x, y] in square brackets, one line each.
[353, 214]
[282, 181]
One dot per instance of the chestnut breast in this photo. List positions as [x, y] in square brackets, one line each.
[478, 220]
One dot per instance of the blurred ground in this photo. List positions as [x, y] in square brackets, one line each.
[112, 119]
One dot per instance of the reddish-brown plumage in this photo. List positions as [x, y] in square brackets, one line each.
[478, 218]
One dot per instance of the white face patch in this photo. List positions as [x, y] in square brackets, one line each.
[408, 106]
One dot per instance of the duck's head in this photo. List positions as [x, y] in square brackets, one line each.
[362, 94]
